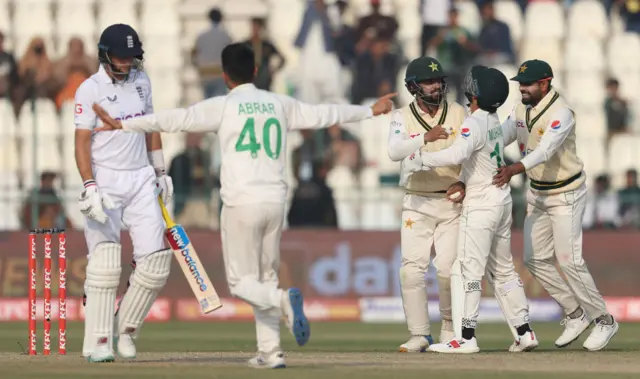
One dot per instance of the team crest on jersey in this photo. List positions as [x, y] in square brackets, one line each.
[555, 125]
[140, 92]
[465, 132]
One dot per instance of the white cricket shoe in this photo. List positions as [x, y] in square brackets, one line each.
[292, 304]
[573, 328]
[446, 331]
[600, 336]
[461, 346]
[274, 360]
[526, 342]
[416, 344]
[126, 347]
[101, 352]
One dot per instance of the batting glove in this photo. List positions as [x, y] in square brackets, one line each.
[164, 184]
[93, 202]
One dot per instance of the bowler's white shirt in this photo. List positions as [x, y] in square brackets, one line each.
[115, 150]
[479, 147]
[252, 128]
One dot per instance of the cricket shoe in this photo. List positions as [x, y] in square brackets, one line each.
[573, 328]
[274, 360]
[461, 346]
[446, 331]
[126, 347]
[416, 344]
[101, 352]
[292, 304]
[600, 335]
[525, 342]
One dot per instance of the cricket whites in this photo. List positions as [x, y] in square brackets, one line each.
[190, 264]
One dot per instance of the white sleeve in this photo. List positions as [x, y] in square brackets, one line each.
[468, 141]
[205, 116]
[86, 95]
[401, 143]
[307, 116]
[557, 131]
[149, 100]
[510, 129]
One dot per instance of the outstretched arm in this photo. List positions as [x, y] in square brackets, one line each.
[466, 143]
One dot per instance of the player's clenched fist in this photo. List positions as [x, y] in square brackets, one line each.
[164, 185]
[436, 133]
[93, 203]
[456, 192]
[384, 104]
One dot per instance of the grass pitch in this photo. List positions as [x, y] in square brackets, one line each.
[336, 350]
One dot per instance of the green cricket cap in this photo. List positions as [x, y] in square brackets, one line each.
[533, 71]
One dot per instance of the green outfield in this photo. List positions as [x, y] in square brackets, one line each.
[336, 350]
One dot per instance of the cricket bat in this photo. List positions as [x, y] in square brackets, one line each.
[190, 264]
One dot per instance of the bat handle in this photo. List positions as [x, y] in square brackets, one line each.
[165, 214]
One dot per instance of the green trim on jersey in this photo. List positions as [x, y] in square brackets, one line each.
[530, 123]
[422, 122]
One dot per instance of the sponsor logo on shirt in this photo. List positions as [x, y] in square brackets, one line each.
[519, 124]
[465, 132]
[555, 125]
[126, 117]
[414, 135]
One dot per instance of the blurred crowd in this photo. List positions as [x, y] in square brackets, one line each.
[341, 60]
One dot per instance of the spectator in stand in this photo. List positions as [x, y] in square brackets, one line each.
[206, 56]
[71, 70]
[193, 184]
[35, 72]
[385, 27]
[318, 68]
[629, 198]
[313, 205]
[375, 73]
[630, 12]
[494, 40]
[455, 50]
[344, 36]
[602, 209]
[266, 53]
[44, 204]
[8, 72]
[341, 148]
[616, 110]
[435, 15]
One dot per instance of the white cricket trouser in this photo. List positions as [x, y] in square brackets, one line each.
[553, 231]
[251, 252]
[426, 222]
[484, 245]
[136, 206]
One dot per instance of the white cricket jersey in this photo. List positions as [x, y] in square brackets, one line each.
[116, 150]
[252, 128]
[480, 150]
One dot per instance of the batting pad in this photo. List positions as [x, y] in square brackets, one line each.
[101, 284]
[513, 302]
[147, 280]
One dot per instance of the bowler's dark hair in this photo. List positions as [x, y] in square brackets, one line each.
[215, 15]
[238, 62]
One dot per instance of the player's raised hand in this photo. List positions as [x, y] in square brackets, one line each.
[108, 122]
[436, 133]
[384, 104]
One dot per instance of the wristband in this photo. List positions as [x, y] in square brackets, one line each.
[89, 183]
[156, 158]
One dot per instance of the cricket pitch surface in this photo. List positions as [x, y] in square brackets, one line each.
[336, 350]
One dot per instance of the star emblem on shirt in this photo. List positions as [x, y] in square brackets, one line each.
[433, 66]
[540, 132]
[452, 133]
[409, 223]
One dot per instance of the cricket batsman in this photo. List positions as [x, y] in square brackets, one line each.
[428, 217]
[544, 127]
[122, 173]
[484, 234]
[252, 126]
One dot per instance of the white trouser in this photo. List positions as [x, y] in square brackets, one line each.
[553, 231]
[251, 251]
[484, 245]
[427, 221]
[133, 193]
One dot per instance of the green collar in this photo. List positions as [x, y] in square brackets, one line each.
[421, 121]
[530, 123]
